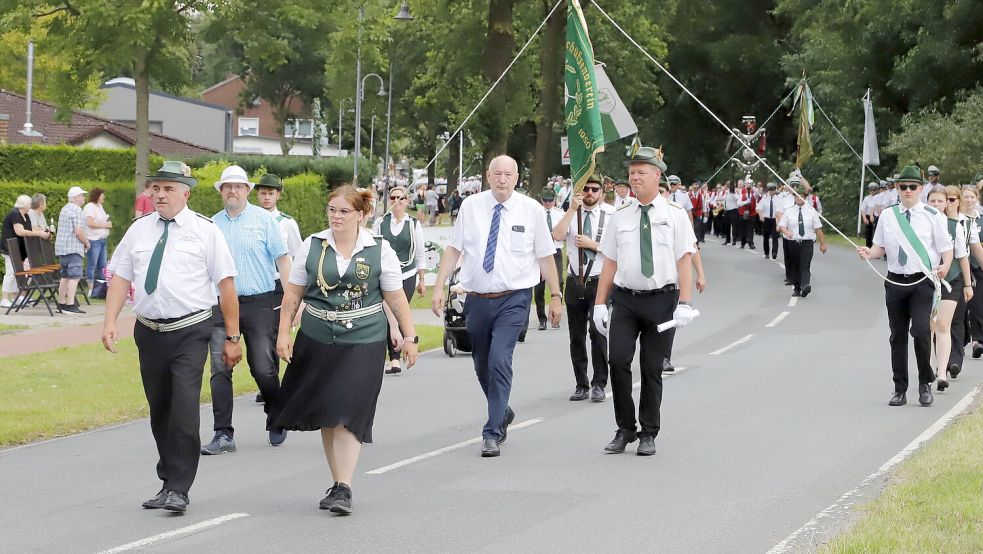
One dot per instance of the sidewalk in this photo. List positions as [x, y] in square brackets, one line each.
[46, 333]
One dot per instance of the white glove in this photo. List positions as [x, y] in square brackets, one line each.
[683, 315]
[601, 318]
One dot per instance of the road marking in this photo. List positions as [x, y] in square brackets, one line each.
[792, 301]
[845, 502]
[778, 319]
[737, 342]
[175, 533]
[444, 450]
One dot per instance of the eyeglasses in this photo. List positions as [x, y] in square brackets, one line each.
[344, 212]
[908, 187]
[397, 198]
[951, 199]
[592, 189]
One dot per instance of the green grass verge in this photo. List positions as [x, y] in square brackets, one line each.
[4, 327]
[72, 389]
[834, 238]
[935, 503]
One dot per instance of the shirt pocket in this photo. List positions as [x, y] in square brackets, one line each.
[662, 232]
[190, 249]
[521, 241]
[141, 254]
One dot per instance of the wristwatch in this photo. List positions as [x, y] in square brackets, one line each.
[234, 339]
[685, 303]
[414, 340]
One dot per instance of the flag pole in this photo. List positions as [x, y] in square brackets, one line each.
[580, 252]
[863, 174]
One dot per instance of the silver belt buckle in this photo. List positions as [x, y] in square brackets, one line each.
[154, 326]
[330, 315]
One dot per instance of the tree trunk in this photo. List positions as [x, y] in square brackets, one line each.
[141, 78]
[499, 49]
[551, 54]
[432, 170]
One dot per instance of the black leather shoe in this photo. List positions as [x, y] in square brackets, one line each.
[338, 500]
[646, 445]
[542, 325]
[597, 394]
[259, 399]
[796, 293]
[806, 290]
[955, 370]
[667, 366]
[580, 393]
[509, 418]
[942, 384]
[176, 502]
[156, 502]
[490, 448]
[925, 394]
[898, 399]
[977, 351]
[788, 283]
[622, 438]
[522, 336]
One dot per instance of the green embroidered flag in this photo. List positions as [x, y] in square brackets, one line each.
[583, 114]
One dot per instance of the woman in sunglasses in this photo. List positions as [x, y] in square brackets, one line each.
[405, 234]
[971, 210]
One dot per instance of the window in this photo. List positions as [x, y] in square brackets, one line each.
[248, 126]
[299, 128]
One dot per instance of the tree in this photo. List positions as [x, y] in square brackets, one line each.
[48, 64]
[145, 39]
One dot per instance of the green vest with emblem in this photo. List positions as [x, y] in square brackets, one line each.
[954, 270]
[402, 243]
[357, 289]
[979, 225]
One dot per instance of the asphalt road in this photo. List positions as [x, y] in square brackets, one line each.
[758, 437]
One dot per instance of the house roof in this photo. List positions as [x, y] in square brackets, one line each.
[81, 127]
[127, 84]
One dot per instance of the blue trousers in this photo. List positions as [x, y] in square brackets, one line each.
[95, 260]
[494, 325]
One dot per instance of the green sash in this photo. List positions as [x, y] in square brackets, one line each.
[912, 238]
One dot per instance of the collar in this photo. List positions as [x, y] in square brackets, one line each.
[658, 202]
[182, 218]
[274, 212]
[363, 240]
[225, 212]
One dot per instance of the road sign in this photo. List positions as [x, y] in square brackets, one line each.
[564, 151]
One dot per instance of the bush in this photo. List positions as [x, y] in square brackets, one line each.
[68, 163]
[334, 171]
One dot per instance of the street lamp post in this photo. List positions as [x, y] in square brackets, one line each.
[360, 96]
[372, 137]
[403, 15]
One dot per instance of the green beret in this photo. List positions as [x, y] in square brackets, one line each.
[270, 180]
[909, 174]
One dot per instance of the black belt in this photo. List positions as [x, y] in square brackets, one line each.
[909, 278]
[633, 292]
[255, 297]
[586, 279]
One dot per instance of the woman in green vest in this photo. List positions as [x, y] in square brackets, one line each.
[405, 235]
[971, 209]
[959, 279]
[334, 371]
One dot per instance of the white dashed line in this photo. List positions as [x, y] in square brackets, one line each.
[444, 450]
[793, 301]
[175, 533]
[778, 319]
[737, 342]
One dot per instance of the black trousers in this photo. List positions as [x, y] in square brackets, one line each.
[770, 237]
[731, 226]
[539, 291]
[869, 229]
[255, 315]
[975, 311]
[799, 262]
[409, 287]
[580, 313]
[634, 318]
[957, 330]
[908, 310]
[746, 227]
[785, 257]
[700, 228]
[170, 367]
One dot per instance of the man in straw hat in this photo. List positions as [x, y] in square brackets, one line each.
[175, 258]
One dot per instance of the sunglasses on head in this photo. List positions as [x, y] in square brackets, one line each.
[592, 189]
[908, 187]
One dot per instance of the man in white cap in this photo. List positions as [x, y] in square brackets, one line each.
[258, 250]
[679, 196]
[933, 174]
[70, 247]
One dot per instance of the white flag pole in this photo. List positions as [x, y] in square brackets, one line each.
[863, 174]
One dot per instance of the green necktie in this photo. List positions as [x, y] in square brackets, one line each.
[549, 219]
[802, 226]
[588, 253]
[645, 241]
[153, 271]
[902, 257]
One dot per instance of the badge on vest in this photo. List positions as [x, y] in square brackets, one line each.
[361, 268]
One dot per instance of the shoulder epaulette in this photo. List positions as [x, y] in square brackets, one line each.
[142, 216]
[623, 206]
[285, 216]
[208, 219]
[931, 210]
[675, 204]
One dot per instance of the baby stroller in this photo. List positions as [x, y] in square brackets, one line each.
[456, 338]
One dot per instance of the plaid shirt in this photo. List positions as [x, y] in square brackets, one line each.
[66, 242]
[256, 243]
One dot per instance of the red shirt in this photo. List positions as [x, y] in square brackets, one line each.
[143, 204]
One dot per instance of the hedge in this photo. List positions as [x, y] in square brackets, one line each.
[334, 171]
[66, 163]
[304, 198]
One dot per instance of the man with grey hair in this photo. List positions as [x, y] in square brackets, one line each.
[70, 246]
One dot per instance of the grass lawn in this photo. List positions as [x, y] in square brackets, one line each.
[72, 389]
[4, 327]
[834, 238]
[935, 503]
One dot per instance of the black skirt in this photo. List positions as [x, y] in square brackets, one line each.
[326, 385]
[956, 294]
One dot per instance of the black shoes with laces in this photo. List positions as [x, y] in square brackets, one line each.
[338, 501]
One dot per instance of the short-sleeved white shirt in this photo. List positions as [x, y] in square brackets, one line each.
[196, 259]
[810, 222]
[681, 197]
[595, 215]
[391, 278]
[672, 238]
[553, 216]
[523, 238]
[931, 229]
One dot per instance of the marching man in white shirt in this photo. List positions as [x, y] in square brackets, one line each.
[801, 226]
[506, 245]
[176, 258]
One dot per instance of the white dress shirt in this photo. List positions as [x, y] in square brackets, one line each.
[681, 197]
[396, 227]
[553, 216]
[523, 238]
[290, 233]
[770, 206]
[731, 200]
[930, 228]
[391, 279]
[672, 238]
[196, 259]
[619, 201]
[595, 215]
[810, 222]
